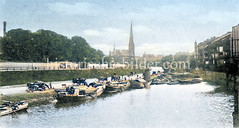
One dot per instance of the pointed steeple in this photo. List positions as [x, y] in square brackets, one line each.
[131, 42]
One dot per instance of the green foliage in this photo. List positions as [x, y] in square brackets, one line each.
[168, 58]
[23, 45]
[193, 62]
[181, 57]
[27, 96]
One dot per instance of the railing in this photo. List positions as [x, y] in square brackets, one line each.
[14, 66]
[40, 69]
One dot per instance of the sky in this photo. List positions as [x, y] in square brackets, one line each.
[159, 26]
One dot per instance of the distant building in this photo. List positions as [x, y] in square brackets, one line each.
[214, 51]
[128, 55]
[4, 34]
[156, 70]
[195, 50]
[4, 28]
[234, 43]
[152, 57]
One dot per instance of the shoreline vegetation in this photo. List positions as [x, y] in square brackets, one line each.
[33, 98]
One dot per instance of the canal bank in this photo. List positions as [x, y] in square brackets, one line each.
[22, 77]
[33, 98]
[216, 78]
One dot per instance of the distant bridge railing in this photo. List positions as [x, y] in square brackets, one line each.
[38, 69]
[15, 66]
[32, 69]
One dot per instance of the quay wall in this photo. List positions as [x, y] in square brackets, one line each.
[215, 78]
[22, 77]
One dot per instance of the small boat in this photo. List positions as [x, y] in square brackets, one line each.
[77, 93]
[154, 81]
[139, 84]
[22, 105]
[5, 111]
[173, 82]
[100, 88]
[8, 107]
[164, 81]
[191, 81]
[126, 84]
[159, 82]
[116, 86]
[184, 82]
[37, 86]
[196, 80]
[75, 82]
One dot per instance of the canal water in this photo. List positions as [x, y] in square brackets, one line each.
[175, 106]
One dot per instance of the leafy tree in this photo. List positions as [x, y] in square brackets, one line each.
[23, 45]
[168, 58]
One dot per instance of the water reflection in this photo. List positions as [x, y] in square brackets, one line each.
[72, 104]
[227, 91]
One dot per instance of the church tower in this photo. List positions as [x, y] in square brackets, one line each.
[131, 43]
[4, 28]
[195, 50]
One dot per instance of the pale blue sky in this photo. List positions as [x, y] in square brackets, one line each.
[159, 26]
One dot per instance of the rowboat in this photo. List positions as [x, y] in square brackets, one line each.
[139, 84]
[117, 86]
[77, 93]
[8, 107]
[5, 111]
[175, 82]
[100, 88]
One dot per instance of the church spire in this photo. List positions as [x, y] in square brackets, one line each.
[131, 42]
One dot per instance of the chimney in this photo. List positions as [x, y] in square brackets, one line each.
[4, 28]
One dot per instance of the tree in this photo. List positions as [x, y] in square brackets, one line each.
[23, 45]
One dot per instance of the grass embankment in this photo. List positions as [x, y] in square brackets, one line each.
[22, 77]
[32, 98]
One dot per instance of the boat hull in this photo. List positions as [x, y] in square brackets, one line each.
[6, 112]
[136, 85]
[99, 92]
[10, 110]
[110, 89]
[74, 98]
[117, 87]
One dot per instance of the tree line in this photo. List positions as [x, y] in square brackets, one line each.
[26, 46]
